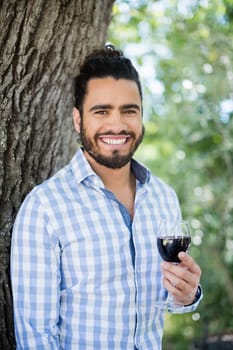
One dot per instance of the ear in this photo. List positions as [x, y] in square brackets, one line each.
[76, 119]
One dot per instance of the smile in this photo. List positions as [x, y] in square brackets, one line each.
[114, 141]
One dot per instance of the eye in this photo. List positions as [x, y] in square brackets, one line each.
[101, 112]
[130, 111]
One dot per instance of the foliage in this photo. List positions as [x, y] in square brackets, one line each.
[183, 51]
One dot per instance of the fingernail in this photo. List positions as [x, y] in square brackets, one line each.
[182, 255]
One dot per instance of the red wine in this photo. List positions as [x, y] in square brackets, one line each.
[169, 247]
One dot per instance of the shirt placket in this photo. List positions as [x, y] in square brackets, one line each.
[140, 310]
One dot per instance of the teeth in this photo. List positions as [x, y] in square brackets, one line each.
[114, 141]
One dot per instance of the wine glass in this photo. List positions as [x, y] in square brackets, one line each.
[173, 237]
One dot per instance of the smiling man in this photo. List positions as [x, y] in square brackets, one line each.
[84, 264]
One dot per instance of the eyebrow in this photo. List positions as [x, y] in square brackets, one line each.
[109, 106]
[131, 105]
[95, 107]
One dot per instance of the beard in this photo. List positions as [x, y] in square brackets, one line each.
[115, 161]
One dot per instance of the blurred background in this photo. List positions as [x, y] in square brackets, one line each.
[183, 51]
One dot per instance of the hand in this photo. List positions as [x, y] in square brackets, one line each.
[182, 279]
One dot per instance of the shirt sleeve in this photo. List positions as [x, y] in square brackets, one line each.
[35, 276]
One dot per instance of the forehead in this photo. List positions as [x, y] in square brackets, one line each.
[106, 90]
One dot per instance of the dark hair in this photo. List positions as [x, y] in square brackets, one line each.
[100, 64]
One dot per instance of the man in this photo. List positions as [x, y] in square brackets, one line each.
[85, 268]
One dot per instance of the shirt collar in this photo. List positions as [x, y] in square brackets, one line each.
[141, 173]
[82, 170]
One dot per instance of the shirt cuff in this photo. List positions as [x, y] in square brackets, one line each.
[189, 308]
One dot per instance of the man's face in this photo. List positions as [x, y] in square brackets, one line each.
[111, 125]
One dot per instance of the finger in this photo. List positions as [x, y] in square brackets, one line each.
[179, 295]
[177, 282]
[189, 262]
[183, 295]
[181, 277]
[179, 270]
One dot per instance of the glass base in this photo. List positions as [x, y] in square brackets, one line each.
[168, 304]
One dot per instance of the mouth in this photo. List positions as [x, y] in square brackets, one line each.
[111, 141]
[114, 140]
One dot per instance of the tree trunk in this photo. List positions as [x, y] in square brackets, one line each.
[42, 44]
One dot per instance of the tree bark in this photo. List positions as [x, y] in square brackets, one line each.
[42, 44]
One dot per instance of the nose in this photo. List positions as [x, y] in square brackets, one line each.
[117, 122]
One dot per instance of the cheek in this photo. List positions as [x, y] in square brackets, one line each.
[92, 124]
[137, 126]
[89, 127]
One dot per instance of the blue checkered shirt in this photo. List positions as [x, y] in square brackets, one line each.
[84, 275]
